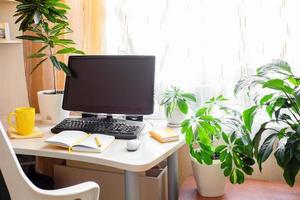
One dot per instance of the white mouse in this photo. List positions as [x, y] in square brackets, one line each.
[133, 145]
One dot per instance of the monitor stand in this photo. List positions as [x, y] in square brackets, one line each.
[139, 118]
[128, 117]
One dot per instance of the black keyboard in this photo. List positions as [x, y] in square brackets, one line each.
[121, 129]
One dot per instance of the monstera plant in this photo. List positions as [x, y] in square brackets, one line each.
[46, 22]
[219, 144]
[275, 89]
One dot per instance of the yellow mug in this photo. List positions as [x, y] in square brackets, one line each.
[24, 118]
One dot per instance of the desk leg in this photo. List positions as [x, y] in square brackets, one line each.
[173, 177]
[132, 189]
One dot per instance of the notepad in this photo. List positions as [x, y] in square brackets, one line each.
[81, 141]
[164, 135]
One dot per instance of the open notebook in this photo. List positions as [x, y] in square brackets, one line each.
[81, 141]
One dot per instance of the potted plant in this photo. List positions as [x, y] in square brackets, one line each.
[220, 146]
[176, 105]
[47, 20]
[276, 90]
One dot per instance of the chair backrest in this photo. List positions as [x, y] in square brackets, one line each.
[15, 179]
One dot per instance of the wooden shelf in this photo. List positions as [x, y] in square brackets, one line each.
[10, 41]
[8, 1]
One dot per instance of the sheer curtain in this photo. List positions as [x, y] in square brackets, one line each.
[204, 46]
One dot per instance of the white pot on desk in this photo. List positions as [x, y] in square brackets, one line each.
[175, 118]
[50, 105]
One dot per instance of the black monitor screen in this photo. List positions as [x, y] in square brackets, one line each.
[110, 84]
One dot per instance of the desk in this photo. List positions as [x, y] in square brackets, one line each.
[250, 190]
[150, 153]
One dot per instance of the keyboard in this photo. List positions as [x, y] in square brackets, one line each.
[121, 129]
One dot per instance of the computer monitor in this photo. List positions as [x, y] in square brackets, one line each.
[110, 84]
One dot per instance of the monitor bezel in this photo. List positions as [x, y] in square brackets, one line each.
[100, 109]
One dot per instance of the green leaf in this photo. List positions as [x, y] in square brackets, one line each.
[189, 136]
[55, 62]
[227, 171]
[249, 161]
[266, 149]
[233, 177]
[66, 50]
[270, 110]
[266, 98]
[290, 171]
[220, 148]
[240, 177]
[30, 38]
[65, 68]
[248, 170]
[207, 158]
[276, 66]
[189, 96]
[280, 156]
[36, 55]
[201, 112]
[223, 156]
[203, 136]
[43, 48]
[63, 41]
[38, 65]
[225, 138]
[276, 84]
[293, 80]
[257, 138]
[248, 116]
[182, 105]
[62, 5]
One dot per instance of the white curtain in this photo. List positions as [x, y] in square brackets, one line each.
[205, 46]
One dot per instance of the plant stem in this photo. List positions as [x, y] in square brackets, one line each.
[51, 54]
[54, 75]
[290, 109]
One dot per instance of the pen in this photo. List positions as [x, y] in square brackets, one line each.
[98, 141]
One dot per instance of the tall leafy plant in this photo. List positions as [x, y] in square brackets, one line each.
[48, 22]
[204, 129]
[276, 90]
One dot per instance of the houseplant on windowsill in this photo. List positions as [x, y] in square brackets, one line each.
[276, 90]
[220, 146]
[176, 105]
[47, 20]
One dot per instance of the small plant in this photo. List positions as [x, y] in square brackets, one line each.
[275, 89]
[177, 98]
[48, 21]
[203, 130]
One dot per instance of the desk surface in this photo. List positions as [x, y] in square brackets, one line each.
[250, 190]
[149, 154]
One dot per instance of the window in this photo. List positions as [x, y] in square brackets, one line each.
[205, 46]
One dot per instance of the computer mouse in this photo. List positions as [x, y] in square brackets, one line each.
[133, 145]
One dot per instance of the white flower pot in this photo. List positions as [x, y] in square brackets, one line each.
[175, 118]
[51, 107]
[210, 179]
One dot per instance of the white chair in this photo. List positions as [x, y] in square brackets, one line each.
[21, 188]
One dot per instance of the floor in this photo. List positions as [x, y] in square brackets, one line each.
[250, 190]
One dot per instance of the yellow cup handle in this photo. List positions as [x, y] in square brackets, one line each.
[9, 120]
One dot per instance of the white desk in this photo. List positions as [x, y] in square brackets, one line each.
[150, 153]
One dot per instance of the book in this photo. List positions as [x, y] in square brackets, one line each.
[81, 141]
[164, 135]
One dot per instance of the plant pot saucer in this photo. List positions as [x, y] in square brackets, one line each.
[173, 125]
